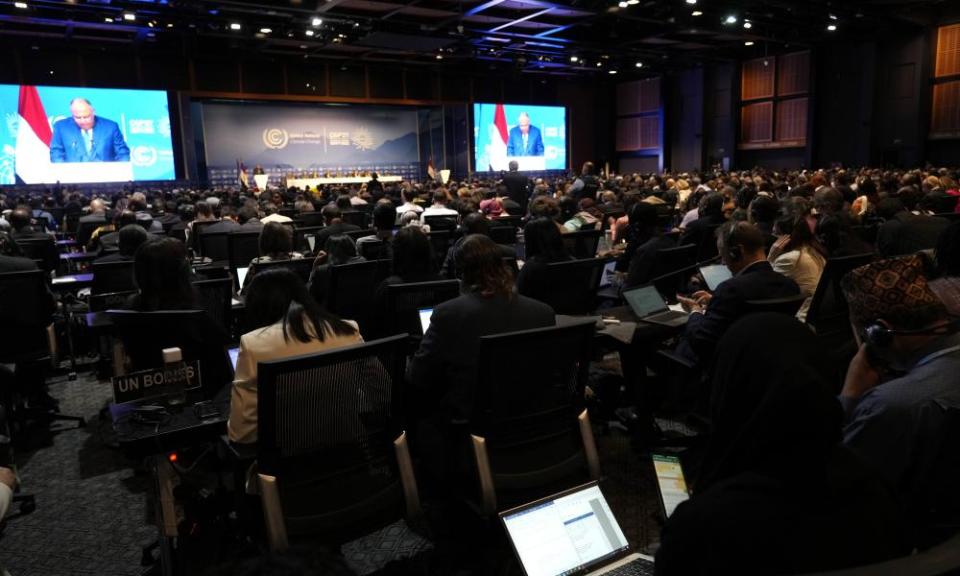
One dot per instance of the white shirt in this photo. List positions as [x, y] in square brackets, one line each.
[276, 217]
[438, 211]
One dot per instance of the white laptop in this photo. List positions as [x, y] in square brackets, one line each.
[425, 315]
[573, 532]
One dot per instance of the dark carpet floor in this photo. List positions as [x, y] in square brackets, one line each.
[91, 516]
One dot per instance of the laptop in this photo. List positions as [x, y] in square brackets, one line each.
[573, 532]
[715, 275]
[671, 482]
[649, 306]
[425, 315]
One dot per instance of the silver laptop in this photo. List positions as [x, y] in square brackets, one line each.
[715, 275]
[573, 532]
[649, 306]
[425, 315]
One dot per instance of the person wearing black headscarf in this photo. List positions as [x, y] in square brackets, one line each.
[777, 493]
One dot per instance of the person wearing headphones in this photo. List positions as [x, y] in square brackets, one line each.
[743, 250]
[901, 395]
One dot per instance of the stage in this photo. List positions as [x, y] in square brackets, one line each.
[314, 182]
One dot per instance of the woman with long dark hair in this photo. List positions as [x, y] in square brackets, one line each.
[543, 245]
[161, 272]
[286, 322]
[797, 253]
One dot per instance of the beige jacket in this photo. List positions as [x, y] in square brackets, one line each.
[259, 346]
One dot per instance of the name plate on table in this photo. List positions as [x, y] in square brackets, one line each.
[171, 379]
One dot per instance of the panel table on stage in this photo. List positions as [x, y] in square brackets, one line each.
[314, 182]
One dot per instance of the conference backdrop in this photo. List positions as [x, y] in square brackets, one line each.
[41, 142]
[534, 136]
[320, 138]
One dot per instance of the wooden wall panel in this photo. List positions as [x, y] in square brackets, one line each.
[946, 108]
[794, 76]
[756, 122]
[792, 120]
[640, 97]
[948, 51]
[757, 79]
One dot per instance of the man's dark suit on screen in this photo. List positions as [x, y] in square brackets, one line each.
[68, 143]
[533, 147]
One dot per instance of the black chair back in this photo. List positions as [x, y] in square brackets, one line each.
[508, 221]
[300, 266]
[326, 424]
[213, 245]
[404, 301]
[526, 407]
[707, 247]
[145, 335]
[355, 217]
[109, 300]
[216, 298]
[440, 240]
[308, 219]
[72, 222]
[441, 222]
[85, 230]
[357, 234]
[57, 214]
[197, 232]
[503, 234]
[42, 249]
[667, 262]
[574, 285]
[828, 313]
[242, 247]
[26, 312]
[352, 289]
[373, 249]
[789, 305]
[287, 211]
[112, 277]
[582, 243]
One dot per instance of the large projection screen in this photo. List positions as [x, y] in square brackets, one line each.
[535, 137]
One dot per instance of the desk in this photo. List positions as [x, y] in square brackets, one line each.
[73, 259]
[71, 282]
[314, 182]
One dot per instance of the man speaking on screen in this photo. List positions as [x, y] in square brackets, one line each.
[525, 140]
[86, 137]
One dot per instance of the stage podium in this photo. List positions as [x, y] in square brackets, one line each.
[90, 172]
[261, 181]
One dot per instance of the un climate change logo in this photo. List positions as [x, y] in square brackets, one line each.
[275, 138]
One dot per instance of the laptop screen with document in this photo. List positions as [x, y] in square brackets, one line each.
[565, 533]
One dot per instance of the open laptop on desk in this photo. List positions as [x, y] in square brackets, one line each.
[573, 532]
[649, 306]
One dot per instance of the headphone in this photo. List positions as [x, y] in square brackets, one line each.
[734, 251]
[880, 336]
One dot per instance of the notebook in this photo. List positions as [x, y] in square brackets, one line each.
[573, 532]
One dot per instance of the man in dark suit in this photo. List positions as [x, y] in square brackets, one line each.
[227, 222]
[904, 233]
[525, 140]
[130, 238]
[248, 217]
[642, 266]
[87, 138]
[22, 229]
[741, 247]
[702, 229]
[474, 223]
[333, 226]
[518, 186]
[444, 369]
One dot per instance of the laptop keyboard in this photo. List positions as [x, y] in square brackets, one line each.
[665, 316]
[638, 567]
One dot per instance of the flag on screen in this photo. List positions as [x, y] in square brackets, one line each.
[431, 172]
[500, 121]
[33, 138]
[242, 175]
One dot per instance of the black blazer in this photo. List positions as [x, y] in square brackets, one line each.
[444, 369]
[695, 231]
[756, 282]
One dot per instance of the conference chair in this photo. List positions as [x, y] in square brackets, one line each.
[196, 232]
[71, 223]
[404, 301]
[112, 277]
[213, 245]
[308, 219]
[503, 234]
[672, 267]
[373, 249]
[332, 457]
[582, 243]
[85, 229]
[351, 290]
[58, 214]
[301, 239]
[357, 234]
[242, 247]
[43, 250]
[441, 222]
[507, 221]
[216, 298]
[867, 232]
[574, 285]
[788, 305]
[707, 247]
[440, 240]
[828, 314]
[144, 335]
[529, 432]
[355, 217]
[299, 266]
[27, 338]
[287, 211]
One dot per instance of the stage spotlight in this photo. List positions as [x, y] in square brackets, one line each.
[108, 20]
[439, 56]
[731, 19]
[235, 26]
[747, 24]
[129, 16]
[832, 27]
[622, 4]
[309, 32]
[691, 1]
[612, 71]
[574, 59]
[639, 64]
[696, 13]
[748, 43]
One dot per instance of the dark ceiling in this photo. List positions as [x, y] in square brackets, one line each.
[535, 36]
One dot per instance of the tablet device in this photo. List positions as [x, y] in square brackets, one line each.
[670, 482]
[715, 275]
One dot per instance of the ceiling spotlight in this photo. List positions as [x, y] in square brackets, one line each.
[316, 22]
[691, 1]
[748, 43]
[633, 2]
[108, 20]
[151, 24]
[832, 27]
[731, 19]
[265, 30]
[623, 4]
[639, 64]
[129, 16]
[613, 71]
[234, 25]
[309, 32]
[439, 56]
[574, 59]
[747, 24]
[696, 13]
[833, 16]
[599, 64]
[20, 5]
[169, 24]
